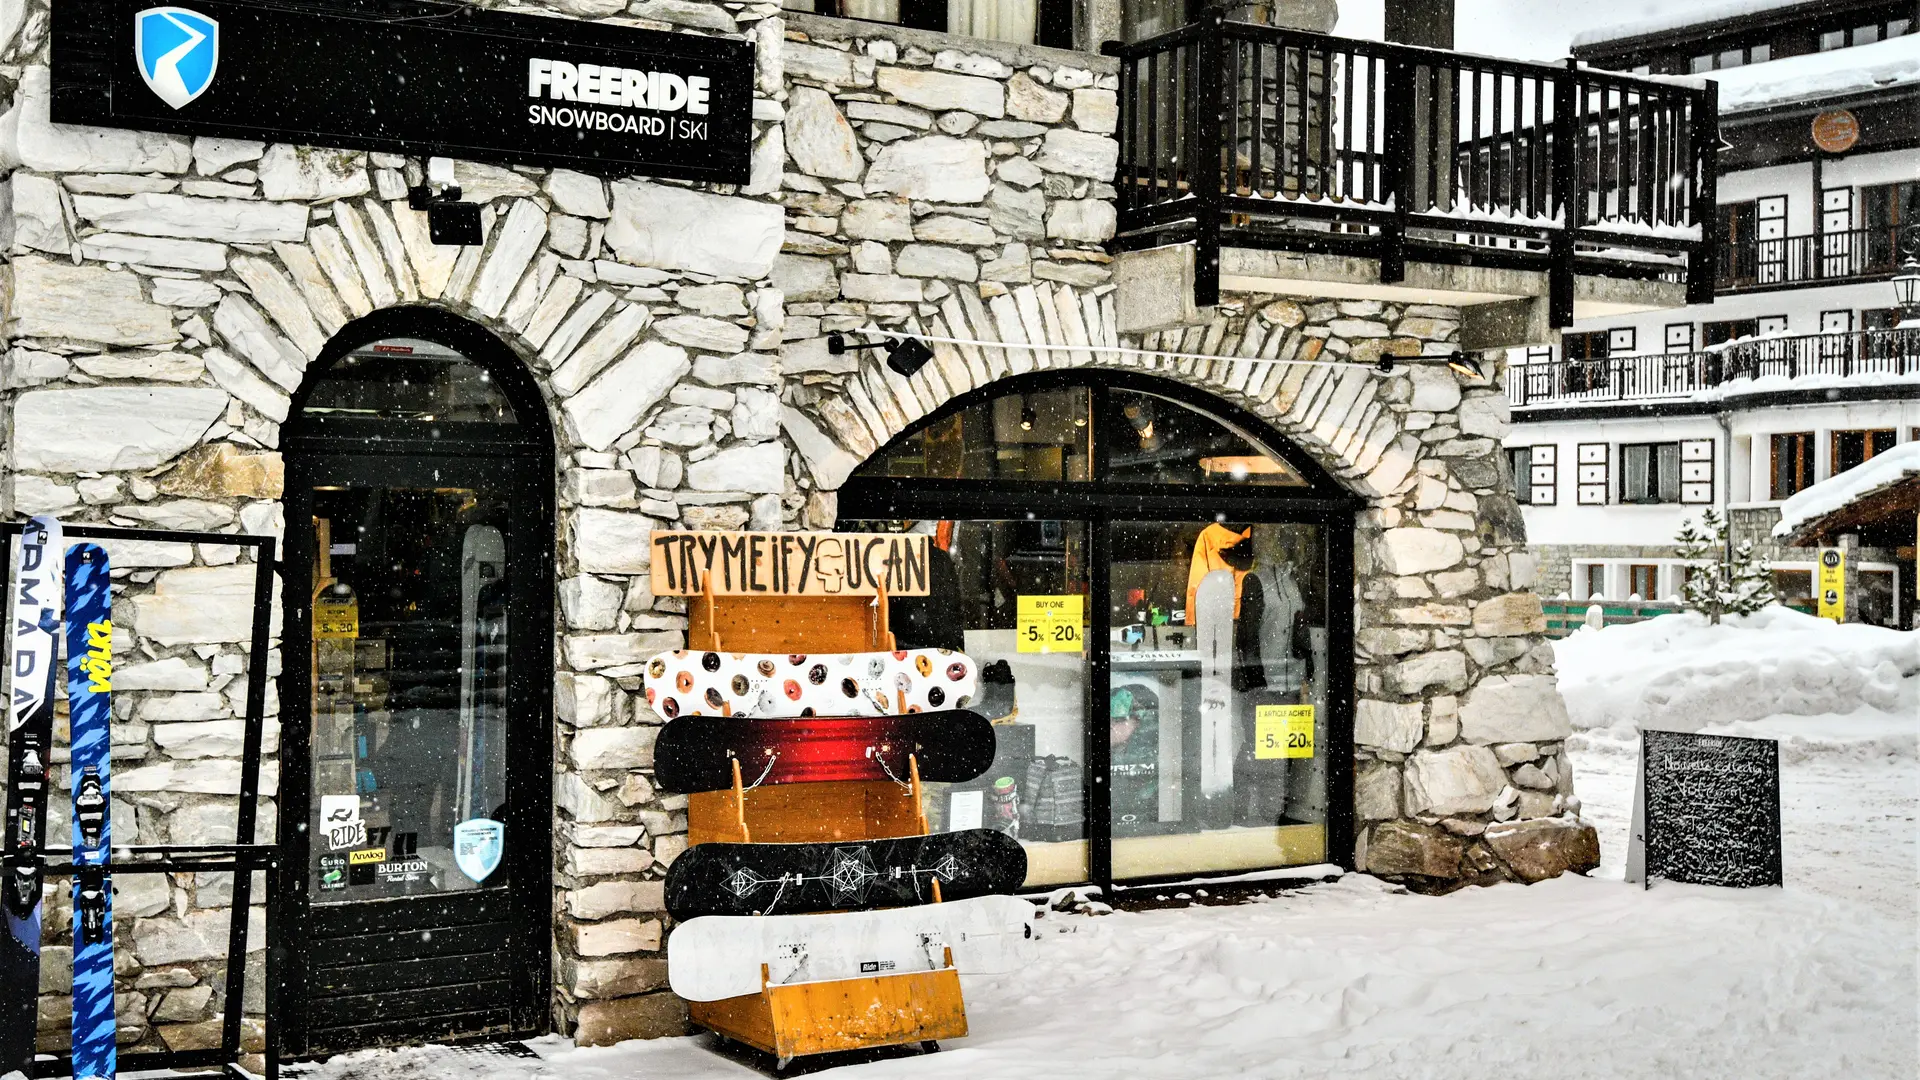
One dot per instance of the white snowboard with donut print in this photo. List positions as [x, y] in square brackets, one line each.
[689, 682]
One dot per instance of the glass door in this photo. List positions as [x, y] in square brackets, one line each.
[1217, 696]
[417, 698]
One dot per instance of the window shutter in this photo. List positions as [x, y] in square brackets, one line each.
[1696, 471]
[1545, 473]
[1594, 476]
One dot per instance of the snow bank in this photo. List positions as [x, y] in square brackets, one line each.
[1823, 498]
[1679, 673]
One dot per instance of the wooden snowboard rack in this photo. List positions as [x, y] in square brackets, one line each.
[846, 1014]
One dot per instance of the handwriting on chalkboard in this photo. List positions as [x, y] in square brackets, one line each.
[1708, 809]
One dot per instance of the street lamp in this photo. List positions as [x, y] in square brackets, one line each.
[1906, 283]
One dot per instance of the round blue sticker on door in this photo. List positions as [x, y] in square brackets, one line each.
[477, 847]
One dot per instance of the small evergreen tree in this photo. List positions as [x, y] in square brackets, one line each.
[1723, 579]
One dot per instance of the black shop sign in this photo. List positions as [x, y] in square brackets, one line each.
[411, 77]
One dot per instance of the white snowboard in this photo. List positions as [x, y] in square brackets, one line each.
[692, 682]
[719, 956]
[1213, 631]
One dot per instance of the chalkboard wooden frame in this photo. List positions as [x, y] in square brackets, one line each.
[1707, 810]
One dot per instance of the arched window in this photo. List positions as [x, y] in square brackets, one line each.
[408, 378]
[1158, 589]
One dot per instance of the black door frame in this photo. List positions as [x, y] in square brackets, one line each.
[521, 457]
[1324, 502]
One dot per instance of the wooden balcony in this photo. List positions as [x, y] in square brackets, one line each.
[1396, 158]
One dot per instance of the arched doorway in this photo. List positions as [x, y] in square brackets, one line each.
[417, 689]
[1194, 729]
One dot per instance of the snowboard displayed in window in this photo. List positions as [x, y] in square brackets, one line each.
[688, 682]
[784, 879]
[696, 753]
[33, 661]
[720, 956]
[90, 712]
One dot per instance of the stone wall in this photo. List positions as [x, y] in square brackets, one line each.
[171, 292]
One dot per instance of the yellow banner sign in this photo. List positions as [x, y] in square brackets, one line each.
[790, 563]
[336, 617]
[1830, 588]
[1048, 624]
[1283, 731]
[367, 855]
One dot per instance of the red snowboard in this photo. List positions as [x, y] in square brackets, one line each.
[696, 753]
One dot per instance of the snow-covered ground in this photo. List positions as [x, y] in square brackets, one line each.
[1571, 978]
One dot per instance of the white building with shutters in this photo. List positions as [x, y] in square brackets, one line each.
[1797, 371]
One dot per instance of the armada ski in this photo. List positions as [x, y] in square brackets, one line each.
[31, 665]
[90, 713]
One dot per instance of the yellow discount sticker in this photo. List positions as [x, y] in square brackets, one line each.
[1283, 731]
[1048, 624]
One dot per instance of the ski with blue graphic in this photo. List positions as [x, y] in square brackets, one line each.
[31, 664]
[90, 712]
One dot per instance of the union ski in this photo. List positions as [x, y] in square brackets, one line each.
[90, 712]
[32, 663]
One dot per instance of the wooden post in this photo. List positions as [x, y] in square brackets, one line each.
[740, 805]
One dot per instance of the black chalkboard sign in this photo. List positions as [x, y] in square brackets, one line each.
[1708, 810]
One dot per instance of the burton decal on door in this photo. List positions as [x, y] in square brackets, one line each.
[689, 682]
[90, 711]
[31, 664]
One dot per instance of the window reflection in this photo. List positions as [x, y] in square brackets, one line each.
[409, 379]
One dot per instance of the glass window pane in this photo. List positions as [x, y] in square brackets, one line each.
[1702, 63]
[1760, 54]
[1833, 39]
[1669, 466]
[1040, 436]
[1155, 440]
[409, 379]
[1866, 35]
[1034, 691]
[1216, 719]
[1731, 58]
[409, 701]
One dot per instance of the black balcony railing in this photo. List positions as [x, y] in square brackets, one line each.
[1621, 378]
[1257, 136]
[1843, 255]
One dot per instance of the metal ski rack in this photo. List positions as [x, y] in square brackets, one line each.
[242, 858]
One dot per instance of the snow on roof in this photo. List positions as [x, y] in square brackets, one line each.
[1893, 62]
[1877, 473]
[1681, 17]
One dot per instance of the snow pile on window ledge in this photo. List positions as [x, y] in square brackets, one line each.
[1881, 470]
[1677, 672]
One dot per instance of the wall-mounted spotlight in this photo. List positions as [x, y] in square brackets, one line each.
[905, 355]
[1462, 364]
[449, 221]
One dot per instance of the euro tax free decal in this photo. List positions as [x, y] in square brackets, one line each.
[423, 78]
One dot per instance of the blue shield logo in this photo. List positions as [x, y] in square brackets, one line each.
[177, 50]
[477, 847]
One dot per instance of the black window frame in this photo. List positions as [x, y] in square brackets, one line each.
[1655, 452]
[1098, 502]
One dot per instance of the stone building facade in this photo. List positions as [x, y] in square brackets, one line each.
[166, 295]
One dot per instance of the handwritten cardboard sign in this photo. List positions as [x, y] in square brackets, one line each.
[789, 563]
